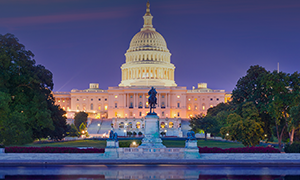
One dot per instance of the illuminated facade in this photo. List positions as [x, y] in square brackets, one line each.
[148, 63]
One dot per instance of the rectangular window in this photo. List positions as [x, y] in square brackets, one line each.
[105, 107]
[140, 113]
[178, 105]
[163, 113]
[116, 105]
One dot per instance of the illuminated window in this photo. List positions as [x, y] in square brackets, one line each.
[147, 104]
[116, 114]
[163, 105]
[83, 108]
[171, 124]
[58, 100]
[178, 96]
[140, 105]
[189, 108]
[68, 108]
[162, 125]
[116, 96]
[196, 99]
[63, 100]
[99, 107]
[189, 99]
[211, 105]
[84, 99]
[105, 107]
[196, 107]
[138, 125]
[63, 108]
[203, 107]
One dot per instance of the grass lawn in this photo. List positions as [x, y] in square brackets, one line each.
[125, 143]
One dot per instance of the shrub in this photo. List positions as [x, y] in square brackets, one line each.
[292, 148]
[46, 149]
[238, 150]
[140, 133]
[2, 146]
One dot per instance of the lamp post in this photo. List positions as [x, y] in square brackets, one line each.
[124, 132]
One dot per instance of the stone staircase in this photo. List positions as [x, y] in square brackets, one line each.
[94, 130]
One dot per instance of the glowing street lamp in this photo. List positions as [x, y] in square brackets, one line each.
[124, 132]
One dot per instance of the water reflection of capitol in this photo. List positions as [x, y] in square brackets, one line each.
[147, 64]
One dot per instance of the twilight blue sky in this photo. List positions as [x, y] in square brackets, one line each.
[212, 41]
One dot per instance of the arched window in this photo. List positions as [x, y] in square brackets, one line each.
[138, 125]
[130, 125]
[171, 124]
[121, 125]
[162, 125]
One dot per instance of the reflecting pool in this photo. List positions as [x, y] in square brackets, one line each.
[150, 172]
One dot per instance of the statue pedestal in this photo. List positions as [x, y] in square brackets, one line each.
[151, 139]
[191, 144]
[191, 150]
[112, 144]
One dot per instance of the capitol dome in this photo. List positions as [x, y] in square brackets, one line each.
[148, 58]
[148, 40]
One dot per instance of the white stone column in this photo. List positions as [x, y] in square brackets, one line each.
[169, 99]
[134, 100]
[143, 100]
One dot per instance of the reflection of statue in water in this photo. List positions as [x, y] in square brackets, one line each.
[113, 136]
[191, 135]
[152, 100]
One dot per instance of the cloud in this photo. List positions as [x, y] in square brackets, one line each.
[211, 7]
[11, 22]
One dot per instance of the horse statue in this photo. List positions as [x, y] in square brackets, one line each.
[152, 100]
[113, 136]
[191, 135]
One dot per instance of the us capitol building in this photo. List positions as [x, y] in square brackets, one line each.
[148, 63]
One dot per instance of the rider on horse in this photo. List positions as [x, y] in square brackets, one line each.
[152, 100]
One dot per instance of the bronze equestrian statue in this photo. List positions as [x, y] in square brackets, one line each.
[152, 100]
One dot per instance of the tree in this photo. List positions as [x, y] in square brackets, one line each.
[28, 87]
[80, 117]
[246, 127]
[253, 88]
[205, 123]
[73, 132]
[285, 94]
